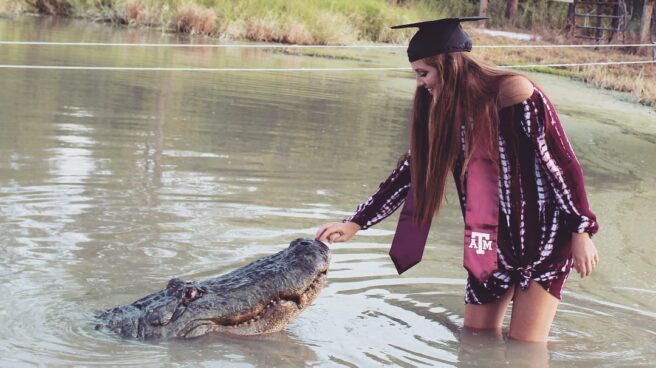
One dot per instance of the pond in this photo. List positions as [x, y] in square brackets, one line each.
[114, 182]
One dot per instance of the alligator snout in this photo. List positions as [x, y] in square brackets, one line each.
[261, 297]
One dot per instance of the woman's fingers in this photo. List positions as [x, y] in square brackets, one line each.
[579, 266]
[325, 230]
[585, 267]
[591, 266]
[594, 262]
[584, 254]
[337, 232]
[321, 231]
[336, 237]
[331, 232]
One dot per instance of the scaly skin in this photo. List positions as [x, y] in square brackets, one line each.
[261, 297]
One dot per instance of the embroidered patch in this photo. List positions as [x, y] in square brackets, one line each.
[480, 241]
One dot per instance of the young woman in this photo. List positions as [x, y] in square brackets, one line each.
[519, 183]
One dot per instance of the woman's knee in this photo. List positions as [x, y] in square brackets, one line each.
[487, 316]
[533, 312]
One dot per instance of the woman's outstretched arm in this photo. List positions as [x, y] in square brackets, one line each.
[388, 197]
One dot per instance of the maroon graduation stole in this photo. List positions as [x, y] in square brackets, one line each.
[481, 212]
[481, 220]
[409, 238]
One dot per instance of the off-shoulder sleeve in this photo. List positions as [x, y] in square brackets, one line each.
[553, 149]
[390, 195]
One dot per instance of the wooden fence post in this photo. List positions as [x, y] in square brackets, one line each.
[482, 9]
[645, 23]
[511, 9]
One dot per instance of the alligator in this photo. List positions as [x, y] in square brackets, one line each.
[261, 297]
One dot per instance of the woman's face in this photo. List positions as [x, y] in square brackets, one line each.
[426, 75]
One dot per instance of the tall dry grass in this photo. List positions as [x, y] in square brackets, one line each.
[639, 79]
[12, 7]
[137, 12]
[54, 7]
[194, 19]
[289, 21]
[266, 29]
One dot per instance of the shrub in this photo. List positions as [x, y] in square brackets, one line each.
[194, 19]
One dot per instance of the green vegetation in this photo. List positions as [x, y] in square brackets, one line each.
[305, 21]
[290, 21]
[330, 22]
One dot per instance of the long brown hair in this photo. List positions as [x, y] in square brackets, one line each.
[467, 93]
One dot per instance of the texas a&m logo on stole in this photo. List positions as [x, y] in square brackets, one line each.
[480, 241]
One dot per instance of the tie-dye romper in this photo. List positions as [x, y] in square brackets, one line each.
[542, 200]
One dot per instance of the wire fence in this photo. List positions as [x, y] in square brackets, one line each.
[291, 46]
[363, 69]
[286, 46]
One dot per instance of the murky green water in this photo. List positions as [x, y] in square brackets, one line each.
[111, 183]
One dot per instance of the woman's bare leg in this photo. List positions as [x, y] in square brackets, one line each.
[527, 354]
[487, 316]
[532, 313]
[480, 347]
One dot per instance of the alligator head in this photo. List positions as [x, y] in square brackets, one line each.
[261, 297]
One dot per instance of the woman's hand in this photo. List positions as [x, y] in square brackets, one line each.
[336, 232]
[584, 254]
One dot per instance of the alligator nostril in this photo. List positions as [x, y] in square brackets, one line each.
[174, 283]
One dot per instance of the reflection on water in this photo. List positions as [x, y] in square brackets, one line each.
[114, 182]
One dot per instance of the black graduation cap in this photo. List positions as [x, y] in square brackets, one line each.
[438, 37]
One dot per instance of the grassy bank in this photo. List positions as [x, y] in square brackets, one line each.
[321, 22]
[291, 21]
[288, 21]
[639, 80]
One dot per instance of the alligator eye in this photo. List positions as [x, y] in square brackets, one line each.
[192, 293]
